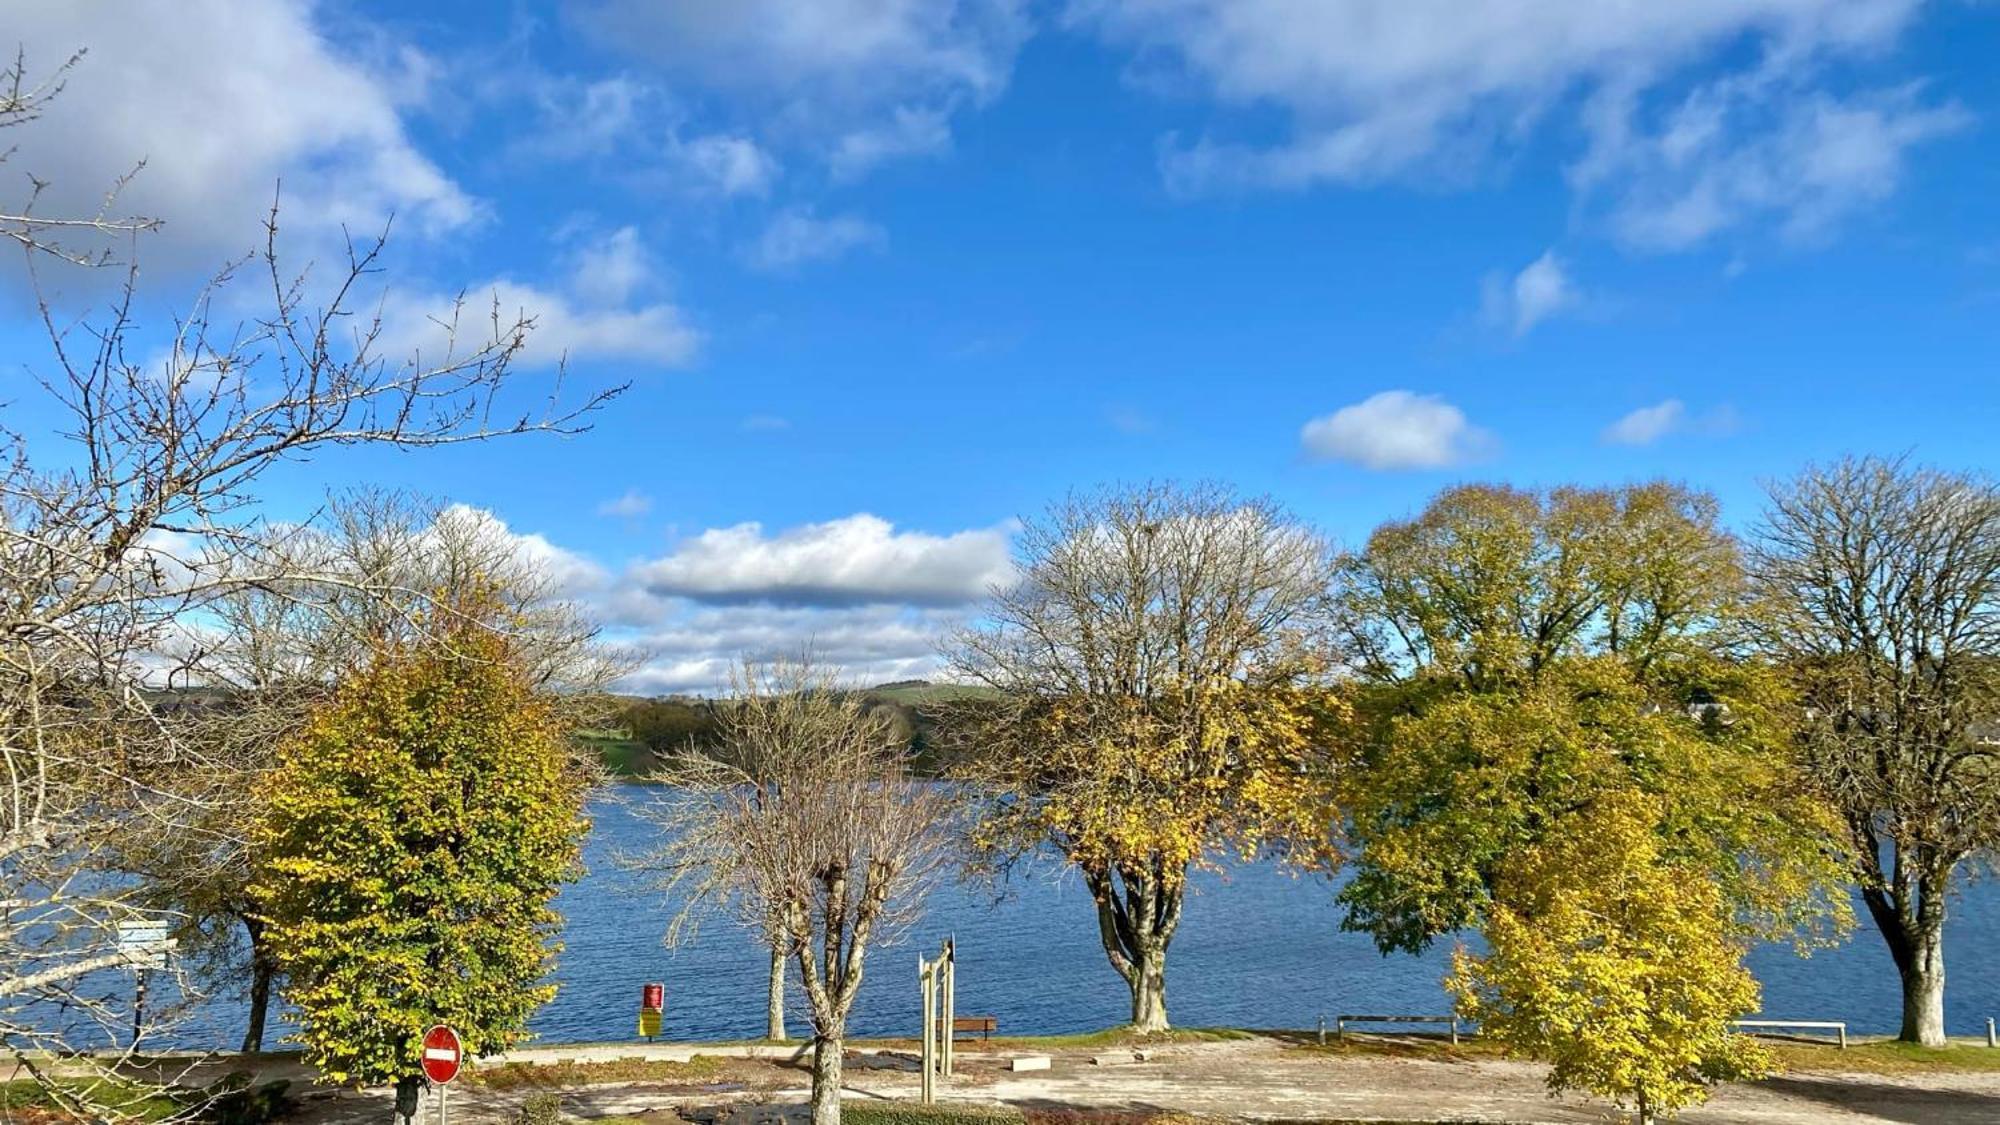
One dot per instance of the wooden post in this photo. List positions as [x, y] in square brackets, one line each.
[927, 975]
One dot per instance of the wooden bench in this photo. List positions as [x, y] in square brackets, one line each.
[1836, 1026]
[965, 1027]
[1340, 1023]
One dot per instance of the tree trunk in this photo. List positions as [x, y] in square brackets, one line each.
[1909, 911]
[826, 1080]
[1138, 909]
[1645, 1109]
[1149, 990]
[262, 970]
[1923, 992]
[774, 1005]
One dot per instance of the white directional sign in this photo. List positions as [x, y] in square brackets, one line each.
[145, 943]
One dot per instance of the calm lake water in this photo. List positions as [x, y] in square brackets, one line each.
[1257, 948]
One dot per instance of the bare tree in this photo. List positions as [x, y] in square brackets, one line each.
[806, 826]
[1881, 584]
[1151, 702]
[113, 555]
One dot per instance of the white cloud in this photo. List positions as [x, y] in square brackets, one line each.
[869, 644]
[573, 575]
[1732, 153]
[629, 506]
[1396, 430]
[766, 423]
[856, 560]
[795, 237]
[221, 99]
[1430, 88]
[727, 165]
[1649, 424]
[1540, 290]
[592, 316]
[855, 81]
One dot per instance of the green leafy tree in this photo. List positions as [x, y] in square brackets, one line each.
[415, 835]
[1530, 661]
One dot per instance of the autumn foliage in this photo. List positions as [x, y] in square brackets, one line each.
[413, 840]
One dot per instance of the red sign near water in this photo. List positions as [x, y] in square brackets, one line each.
[441, 1054]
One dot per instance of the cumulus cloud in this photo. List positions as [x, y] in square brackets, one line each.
[596, 313]
[1388, 88]
[854, 81]
[1540, 290]
[796, 236]
[860, 559]
[629, 506]
[1396, 430]
[867, 598]
[869, 644]
[221, 100]
[1649, 424]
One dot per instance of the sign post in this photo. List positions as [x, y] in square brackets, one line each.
[441, 1057]
[145, 944]
[652, 1002]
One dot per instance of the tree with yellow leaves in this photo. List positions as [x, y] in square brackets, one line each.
[1157, 703]
[1616, 964]
[414, 836]
[1536, 666]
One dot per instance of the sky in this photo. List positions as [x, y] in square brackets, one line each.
[884, 277]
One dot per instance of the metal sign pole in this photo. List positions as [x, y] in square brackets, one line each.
[948, 1028]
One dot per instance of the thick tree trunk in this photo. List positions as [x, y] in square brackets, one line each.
[1149, 990]
[262, 971]
[1909, 911]
[826, 1081]
[1923, 993]
[1138, 910]
[774, 1004]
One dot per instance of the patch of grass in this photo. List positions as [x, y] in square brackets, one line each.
[1886, 1057]
[85, 1100]
[622, 757]
[568, 1075]
[871, 1112]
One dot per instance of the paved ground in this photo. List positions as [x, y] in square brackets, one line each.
[1256, 1078]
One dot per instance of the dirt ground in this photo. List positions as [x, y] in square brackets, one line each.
[1257, 1078]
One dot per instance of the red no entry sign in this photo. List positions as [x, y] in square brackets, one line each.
[441, 1054]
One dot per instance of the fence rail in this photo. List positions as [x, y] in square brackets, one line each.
[1340, 1023]
[1837, 1026]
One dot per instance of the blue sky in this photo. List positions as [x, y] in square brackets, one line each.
[885, 275]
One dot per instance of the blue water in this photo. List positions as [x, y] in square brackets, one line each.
[1257, 948]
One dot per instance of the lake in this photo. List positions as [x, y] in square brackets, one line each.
[1257, 948]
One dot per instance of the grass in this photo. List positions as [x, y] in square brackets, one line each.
[859, 1112]
[1886, 1057]
[623, 757]
[28, 1099]
[568, 1075]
